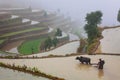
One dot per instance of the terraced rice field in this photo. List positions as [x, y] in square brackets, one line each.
[23, 31]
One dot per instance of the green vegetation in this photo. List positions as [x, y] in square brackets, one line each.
[91, 28]
[48, 43]
[30, 47]
[58, 32]
[118, 16]
[51, 42]
[18, 32]
[55, 42]
[35, 46]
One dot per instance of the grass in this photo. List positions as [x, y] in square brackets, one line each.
[31, 46]
[18, 32]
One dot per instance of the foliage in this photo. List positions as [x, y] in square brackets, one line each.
[55, 41]
[91, 28]
[48, 43]
[93, 19]
[34, 46]
[92, 32]
[118, 16]
[58, 32]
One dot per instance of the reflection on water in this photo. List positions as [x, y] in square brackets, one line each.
[87, 67]
[83, 66]
[100, 73]
[8, 74]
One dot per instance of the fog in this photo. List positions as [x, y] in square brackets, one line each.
[76, 9]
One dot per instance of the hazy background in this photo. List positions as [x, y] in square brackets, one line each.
[77, 9]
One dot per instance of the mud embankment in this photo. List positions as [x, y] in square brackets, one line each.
[33, 71]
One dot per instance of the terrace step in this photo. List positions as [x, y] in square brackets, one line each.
[10, 22]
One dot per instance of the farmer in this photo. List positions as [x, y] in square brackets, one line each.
[100, 64]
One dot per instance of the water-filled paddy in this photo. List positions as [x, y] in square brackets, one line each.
[70, 69]
[111, 41]
[8, 74]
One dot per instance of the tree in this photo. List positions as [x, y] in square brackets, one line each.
[48, 43]
[55, 41]
[118, 16]
[92, 32]
[94, 17]
[59, 32]
[91, 28]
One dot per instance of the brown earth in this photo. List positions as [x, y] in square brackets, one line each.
[11, 45]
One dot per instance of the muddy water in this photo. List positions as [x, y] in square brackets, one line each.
[73, 37]
[8, 74]
[13, 50]
[111, 41]
[71, 69]
[62, 50]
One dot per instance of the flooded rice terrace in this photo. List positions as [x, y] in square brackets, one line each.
[63, 67]
[8, 74]
[62, 50]
[70, 69]
[111, 41]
